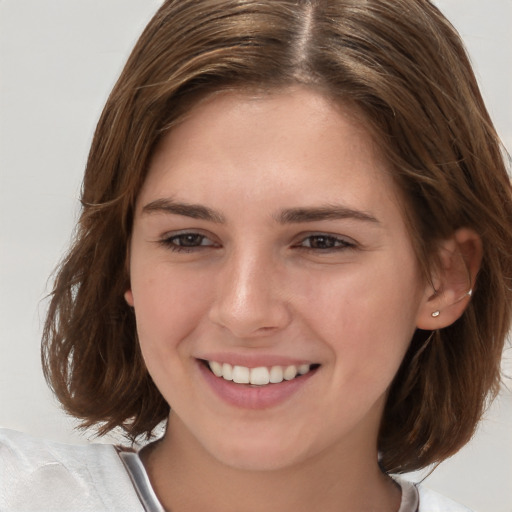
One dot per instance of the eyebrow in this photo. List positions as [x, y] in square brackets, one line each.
[287, 216]
[327, 212]
[195, 211]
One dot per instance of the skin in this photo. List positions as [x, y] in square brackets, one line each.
[260, 283]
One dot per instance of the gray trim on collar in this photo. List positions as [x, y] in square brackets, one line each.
[140, 480]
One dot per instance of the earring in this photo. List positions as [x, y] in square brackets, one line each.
[469, 293]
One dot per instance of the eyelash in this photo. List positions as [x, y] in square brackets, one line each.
[169, 242]
[334, 243]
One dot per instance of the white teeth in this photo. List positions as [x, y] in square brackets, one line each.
[240, 374]
[276, 374]
[259, 376]
[303, 369]
[216, 368]
[290, 372]
[227, 371]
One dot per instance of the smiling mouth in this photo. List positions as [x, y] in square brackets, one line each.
[260, 376]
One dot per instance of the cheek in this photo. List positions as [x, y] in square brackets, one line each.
[367, 316]
[168, 309]
[168, 304]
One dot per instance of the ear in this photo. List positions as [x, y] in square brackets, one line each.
[449, 292]
[128, 297]
[128, 294]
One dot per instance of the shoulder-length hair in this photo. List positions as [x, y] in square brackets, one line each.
[403, 67]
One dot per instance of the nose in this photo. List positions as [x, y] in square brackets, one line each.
[251, 298]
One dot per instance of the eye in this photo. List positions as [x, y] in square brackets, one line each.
[325, 242]
[187, 242]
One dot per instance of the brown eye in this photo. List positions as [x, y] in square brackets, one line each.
[325, 242]
[188, 240]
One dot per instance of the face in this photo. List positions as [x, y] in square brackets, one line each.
[274, 283]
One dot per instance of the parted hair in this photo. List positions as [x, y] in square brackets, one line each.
[402, 65]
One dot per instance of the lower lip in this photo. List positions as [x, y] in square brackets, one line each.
[254, 397]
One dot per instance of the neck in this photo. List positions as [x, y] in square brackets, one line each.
[188, 479]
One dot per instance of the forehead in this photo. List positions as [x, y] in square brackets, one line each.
[294, 137]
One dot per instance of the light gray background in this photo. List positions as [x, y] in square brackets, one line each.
[58, 61]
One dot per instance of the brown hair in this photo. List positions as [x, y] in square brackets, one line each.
[403, 66]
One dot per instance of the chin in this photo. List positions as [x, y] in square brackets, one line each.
[256, 454]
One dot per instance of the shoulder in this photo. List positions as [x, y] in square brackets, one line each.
[431, 501]
[37, 474]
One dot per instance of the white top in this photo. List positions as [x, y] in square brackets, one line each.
[41, 476]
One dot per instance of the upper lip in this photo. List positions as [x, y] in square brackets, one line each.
[254, 360]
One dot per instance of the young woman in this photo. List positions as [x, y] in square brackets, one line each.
[294, 250]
